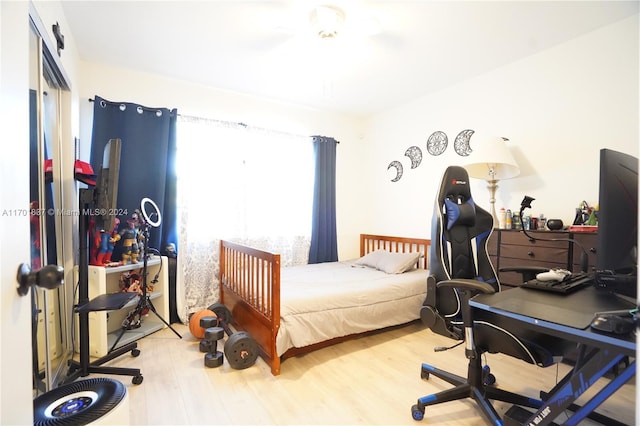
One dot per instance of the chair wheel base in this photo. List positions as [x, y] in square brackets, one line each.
[417, 412]
[424, 374]
[488, 379]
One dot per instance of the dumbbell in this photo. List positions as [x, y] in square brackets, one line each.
[240, 349]
[213, 358]
[207, 323]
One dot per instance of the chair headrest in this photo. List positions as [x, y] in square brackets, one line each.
[455, 195]
[455, 184]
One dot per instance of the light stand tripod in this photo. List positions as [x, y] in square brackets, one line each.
[104, 302]
[144, 304]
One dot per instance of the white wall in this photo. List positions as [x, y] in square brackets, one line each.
[558, 108]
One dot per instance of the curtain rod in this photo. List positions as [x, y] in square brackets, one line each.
[157, 109]
[225, 123]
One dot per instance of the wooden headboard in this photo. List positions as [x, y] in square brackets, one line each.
[369, 243]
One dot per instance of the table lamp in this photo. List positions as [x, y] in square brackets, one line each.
[491, 160]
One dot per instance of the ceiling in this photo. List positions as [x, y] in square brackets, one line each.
[268, 48]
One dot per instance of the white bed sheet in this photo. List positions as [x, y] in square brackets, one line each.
[322, 301]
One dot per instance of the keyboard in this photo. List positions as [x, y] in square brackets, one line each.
[569, 284]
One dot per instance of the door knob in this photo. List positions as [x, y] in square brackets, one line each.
[49, 277]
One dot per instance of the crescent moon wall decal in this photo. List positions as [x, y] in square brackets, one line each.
[415, 154]
[398, 166]
[437, 143]
[461, 144]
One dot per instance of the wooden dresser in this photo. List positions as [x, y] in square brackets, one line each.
[508, 248]
[589, 241]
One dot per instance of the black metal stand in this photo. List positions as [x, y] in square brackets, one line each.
[84, 367]
[144, 304]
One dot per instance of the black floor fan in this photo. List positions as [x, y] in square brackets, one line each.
[105, 302]
[144, 304]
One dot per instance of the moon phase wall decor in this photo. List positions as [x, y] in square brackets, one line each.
[398, 166]
[415, 154]
[436, 144]
[461, 144]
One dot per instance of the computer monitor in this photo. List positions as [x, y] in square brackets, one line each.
[106, 190]
[617, 261]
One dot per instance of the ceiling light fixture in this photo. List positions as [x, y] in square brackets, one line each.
[327, 21]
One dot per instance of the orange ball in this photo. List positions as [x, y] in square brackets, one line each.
[194, 322]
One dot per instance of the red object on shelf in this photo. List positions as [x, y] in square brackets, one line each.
[583, 228]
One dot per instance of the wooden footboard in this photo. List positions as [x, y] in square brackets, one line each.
[250, 288]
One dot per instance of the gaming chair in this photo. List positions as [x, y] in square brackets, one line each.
[460, 268]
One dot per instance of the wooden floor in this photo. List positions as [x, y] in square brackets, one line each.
[372, 380]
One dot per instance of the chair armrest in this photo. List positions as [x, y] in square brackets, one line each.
[434, 320]
[467, 288]
[467, 284]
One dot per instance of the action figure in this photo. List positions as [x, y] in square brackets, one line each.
[131, 282]
[130, 236]
[105, 242]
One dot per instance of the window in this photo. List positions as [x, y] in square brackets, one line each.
[235, 182]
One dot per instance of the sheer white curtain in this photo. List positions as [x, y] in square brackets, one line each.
[248, 185]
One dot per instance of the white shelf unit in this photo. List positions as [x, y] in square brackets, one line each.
[106, 326]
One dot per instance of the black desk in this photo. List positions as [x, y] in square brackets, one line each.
[566, 317]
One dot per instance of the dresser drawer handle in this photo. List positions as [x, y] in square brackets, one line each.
[530, 254]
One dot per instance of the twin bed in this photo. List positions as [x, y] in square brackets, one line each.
[294, 310]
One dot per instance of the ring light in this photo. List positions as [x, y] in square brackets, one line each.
[146, 215]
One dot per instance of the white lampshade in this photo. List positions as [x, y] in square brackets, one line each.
[490, 159]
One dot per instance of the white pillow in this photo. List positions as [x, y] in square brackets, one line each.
[391, 263]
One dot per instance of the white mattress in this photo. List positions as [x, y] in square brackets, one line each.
[322, 301]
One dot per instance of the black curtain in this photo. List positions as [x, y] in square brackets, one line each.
[147, 161]
[324, 240]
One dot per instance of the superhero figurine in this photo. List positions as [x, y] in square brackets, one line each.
[129, 236]
[105, 242]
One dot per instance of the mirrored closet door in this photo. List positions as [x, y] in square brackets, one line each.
[50, 309]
